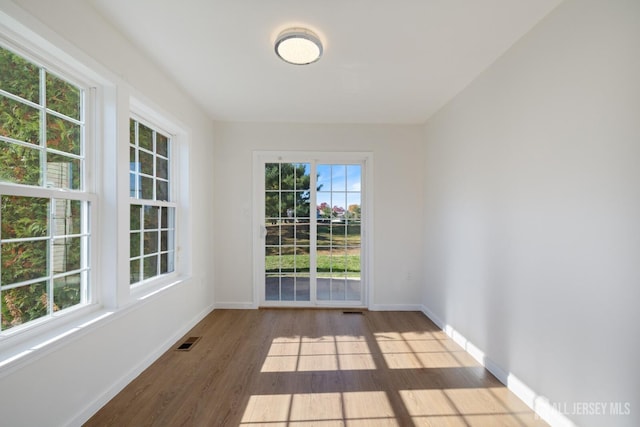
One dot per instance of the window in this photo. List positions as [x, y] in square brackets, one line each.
[152, 209]
[45, 206]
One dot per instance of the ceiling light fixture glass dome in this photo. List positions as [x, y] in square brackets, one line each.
[298, 46]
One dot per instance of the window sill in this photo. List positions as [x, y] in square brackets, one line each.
[30, 345]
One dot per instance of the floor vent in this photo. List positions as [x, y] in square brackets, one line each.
[188, 344]
[353, 312]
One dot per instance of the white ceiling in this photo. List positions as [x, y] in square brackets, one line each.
[385, 61]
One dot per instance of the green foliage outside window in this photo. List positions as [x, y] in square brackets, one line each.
[40, 145]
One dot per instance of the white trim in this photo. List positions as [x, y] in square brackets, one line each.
[539, 404]
[235, 306]
[118, 385]
[395, 307]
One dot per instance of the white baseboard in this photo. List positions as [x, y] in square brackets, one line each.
[119, 385]
[539, 404]
[395, 307]
[236, 306]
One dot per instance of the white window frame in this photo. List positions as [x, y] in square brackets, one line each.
[87, 193]
[178, 197]
[154, 202]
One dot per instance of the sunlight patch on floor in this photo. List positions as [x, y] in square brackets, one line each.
[415, 350]
[320, 409]
[463, 407]
[326, 353]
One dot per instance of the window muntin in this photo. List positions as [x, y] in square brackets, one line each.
[45, 237]
[152, 209]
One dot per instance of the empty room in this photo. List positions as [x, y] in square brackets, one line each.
[334, 213]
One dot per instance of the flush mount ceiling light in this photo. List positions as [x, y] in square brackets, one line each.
[298, 46]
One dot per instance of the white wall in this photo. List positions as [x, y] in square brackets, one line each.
[532, 195]
[397, 153]
[72, 380]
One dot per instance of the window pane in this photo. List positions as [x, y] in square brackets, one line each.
[287, 201]
[323, 181]
[353, 235]
[150, 217]
[302, 204]
[145, 137]
[23, 304]
[324, 235]
[146, 188]
[63, 97]
[166, 221]
[134, 271]
[287, 176]
[150, 242]
[353, 213]
[272, 176]
[338, 235]
[164, 241]
[66, 255]
[162, 190]
[353, 289]
[272, 263]
[166, 263]
[273, 234]
[146, 163]
[133, 165]
[62, 135]
[302, 257]
[132, 185]
[338, 178]
[271, 204]
[302, 234]
[272, 287]
[150, 266]
[287, 288]
[63, 172]
[303, 179]
[353, 178]
[287, 234]
[134, 216]
[19, 164]
[303, 291]
[67, 217]
[19, 76]
[134, 245]
[338, 289]
[162, 145]
[66, 292]
[24, 217]
[24, 261]
[19, 121]
[162, 168]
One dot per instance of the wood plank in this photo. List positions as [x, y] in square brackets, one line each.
[315, 367]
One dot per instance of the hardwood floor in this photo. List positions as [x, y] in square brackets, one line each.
[277, 367]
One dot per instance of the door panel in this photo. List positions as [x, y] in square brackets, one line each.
[338, 245]
[287, 244]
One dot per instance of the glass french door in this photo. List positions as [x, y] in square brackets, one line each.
[312, 229]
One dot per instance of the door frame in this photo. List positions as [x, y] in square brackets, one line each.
[365, 159]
